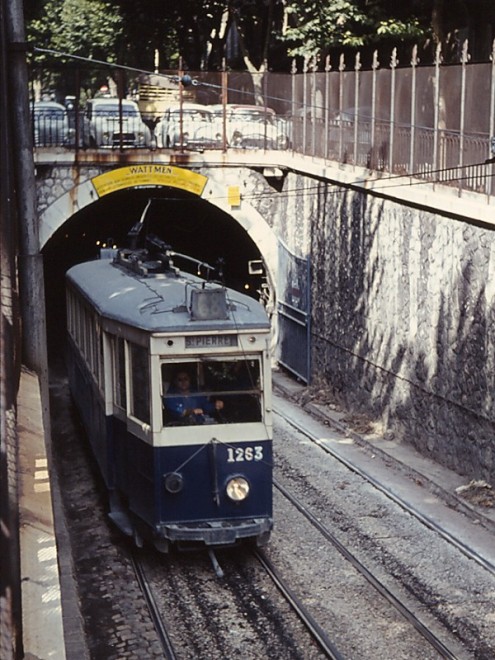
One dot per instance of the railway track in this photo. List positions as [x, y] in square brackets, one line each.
[240, 611]
[453, 625]
[169, 652]
[158, 616]
[324, 642]
[468, 551]
[326, 645]
[425, 632]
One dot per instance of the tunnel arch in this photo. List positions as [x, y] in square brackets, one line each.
[214, 191]
[218, 191]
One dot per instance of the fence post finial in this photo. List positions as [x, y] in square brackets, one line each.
[393, 59]
[375, 64]
[414, 56]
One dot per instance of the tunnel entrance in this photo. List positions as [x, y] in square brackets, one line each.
[188, 223]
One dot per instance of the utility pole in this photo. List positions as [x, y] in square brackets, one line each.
[11, 636]
[21, 267]
[34, 347]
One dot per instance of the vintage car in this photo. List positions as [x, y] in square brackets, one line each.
[251, 126]
[111, 123]
[51, 125]
[189, 126]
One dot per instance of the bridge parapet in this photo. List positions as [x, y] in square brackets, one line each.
[432, 123]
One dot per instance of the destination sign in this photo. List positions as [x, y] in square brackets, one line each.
[211, 341]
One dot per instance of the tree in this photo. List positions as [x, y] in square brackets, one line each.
[256, 35]
[318, 27]
[202, 29]
[86, 28]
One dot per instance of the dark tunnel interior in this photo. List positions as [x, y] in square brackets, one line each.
[188, 224]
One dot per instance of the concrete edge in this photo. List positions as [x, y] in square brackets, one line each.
[43, 633]
[61, 635]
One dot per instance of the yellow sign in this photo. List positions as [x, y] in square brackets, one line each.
[136, 176]
[234, 195]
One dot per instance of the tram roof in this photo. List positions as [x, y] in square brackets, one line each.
[158, 303]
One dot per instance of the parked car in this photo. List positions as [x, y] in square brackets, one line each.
[359, 131]
[51, 125]
[252, 126]
[106, 127]
[197, 130]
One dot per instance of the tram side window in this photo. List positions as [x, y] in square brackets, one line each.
[140, 379]
[80, 328]
[70, 313]
[119, 372]
[101, 360]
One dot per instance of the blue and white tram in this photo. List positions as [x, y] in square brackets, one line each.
[181, 467]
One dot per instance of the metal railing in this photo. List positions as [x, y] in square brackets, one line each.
[431, 122]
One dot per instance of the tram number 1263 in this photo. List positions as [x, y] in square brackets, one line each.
[241, 454]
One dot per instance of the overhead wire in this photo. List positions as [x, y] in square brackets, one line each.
[315, 189]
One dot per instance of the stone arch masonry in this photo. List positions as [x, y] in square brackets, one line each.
[403, 297]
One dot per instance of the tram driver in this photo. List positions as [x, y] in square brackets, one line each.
[185, 406]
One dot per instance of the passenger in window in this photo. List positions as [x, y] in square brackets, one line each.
[240, 377]
[186, 406]
[243, 405]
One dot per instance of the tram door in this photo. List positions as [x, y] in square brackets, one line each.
[294, 313]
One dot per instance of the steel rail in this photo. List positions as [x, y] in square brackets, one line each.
[165, 641]
[311, 624]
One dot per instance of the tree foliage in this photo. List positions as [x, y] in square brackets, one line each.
[87, 28]
[254, 34]
[318, 26]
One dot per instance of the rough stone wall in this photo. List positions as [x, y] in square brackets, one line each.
[403, 310]
[53, 182]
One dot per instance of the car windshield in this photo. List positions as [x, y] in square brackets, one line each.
[192, 115]
[250, 115]
[49, 112]
[113, 110]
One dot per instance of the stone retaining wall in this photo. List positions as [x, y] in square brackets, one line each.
[403, 309]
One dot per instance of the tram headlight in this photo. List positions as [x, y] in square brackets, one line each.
[237, 489]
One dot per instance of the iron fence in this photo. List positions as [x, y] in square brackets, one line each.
[432, 122]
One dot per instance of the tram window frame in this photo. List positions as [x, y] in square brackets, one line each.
[95, 359]
[246, 402]
[119, 379]
[100, 359]
[80, 327]
[70, 313]
[139, 381]
[85, 335]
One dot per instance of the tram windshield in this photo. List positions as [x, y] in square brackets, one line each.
[211, 392]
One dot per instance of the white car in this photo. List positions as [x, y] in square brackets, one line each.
[107, 126]
[188, 127]
[252, 126]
